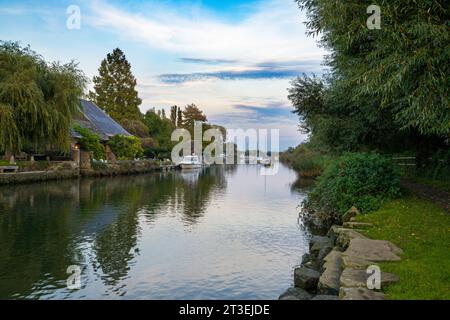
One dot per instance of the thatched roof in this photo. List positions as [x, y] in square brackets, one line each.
[96, 120]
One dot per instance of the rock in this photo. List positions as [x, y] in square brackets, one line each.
[345, 236]
[295, 294]
[355, 262]
[306, 278]
[373, 250]
[318, 243]
[313, 264]
[359, 294]
[333, 233]
[351, 213]
[324, 252]
[325, 297]
[333, 257]
[358, 278]
[329, 283]
[357, 225]
[310, 262]
[290, 298]
[306, 258]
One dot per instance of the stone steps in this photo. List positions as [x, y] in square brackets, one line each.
[337, 265]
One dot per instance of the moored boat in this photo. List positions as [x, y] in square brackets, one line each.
[190, 162]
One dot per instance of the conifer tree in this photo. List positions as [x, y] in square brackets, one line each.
[173, 115]
[180, 118]
[115, 88]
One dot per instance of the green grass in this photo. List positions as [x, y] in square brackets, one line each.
[422, 230]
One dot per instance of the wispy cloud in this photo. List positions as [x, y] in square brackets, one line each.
[208, 61]
[263, 70]
[229, 75]
[268, 114]
[273, 31]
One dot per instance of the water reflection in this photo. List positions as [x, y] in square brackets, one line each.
[126, 230]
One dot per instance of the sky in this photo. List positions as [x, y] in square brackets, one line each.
[234, 59]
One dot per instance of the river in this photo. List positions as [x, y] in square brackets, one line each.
[218, 233]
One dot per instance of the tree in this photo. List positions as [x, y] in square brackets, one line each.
[402, 68]
[386, 89]
[159, 128]
[173, 115]
[115, 88]
[192, 114]
[37, 100]
[126, 148]
[179, 118]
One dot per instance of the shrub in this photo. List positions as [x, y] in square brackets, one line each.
[91, 142]
[364, 180]
[158, 153]
[99, 165]
[126, 148]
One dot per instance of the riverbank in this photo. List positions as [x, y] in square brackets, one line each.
[422, 230]
[71, 171]
[412, 255]
[340, 265]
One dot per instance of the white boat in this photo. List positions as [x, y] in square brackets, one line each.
[265, 162]
[190, 162]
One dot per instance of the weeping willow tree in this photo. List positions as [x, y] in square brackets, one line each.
[37, 100]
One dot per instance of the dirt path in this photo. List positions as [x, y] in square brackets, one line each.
[439, 197]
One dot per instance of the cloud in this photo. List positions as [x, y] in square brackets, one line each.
[270, 114]
[263, 70]
[207, 61]
[273, 30]
[228, 75]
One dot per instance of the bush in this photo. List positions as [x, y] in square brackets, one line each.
[364, 180]
[126, 148]
[158, 153]
[99, 165]
[91, 142]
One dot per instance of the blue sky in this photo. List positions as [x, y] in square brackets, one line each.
[234, 59]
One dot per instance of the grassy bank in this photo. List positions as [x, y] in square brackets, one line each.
[422, 230]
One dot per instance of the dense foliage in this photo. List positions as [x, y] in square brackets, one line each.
[91, 142]
[386, 89]
[161, 130]
[402, 67]
[364, 180]
[37, 100]
[126, 148]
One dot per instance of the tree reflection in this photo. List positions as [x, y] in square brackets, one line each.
[46, 227]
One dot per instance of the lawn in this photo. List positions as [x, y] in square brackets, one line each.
[422, 230]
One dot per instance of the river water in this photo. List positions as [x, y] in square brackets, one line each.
[218, 233]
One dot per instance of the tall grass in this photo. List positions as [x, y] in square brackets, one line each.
[308, 162]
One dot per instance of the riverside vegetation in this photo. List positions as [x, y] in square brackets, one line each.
[367, 110]
[40, 100]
